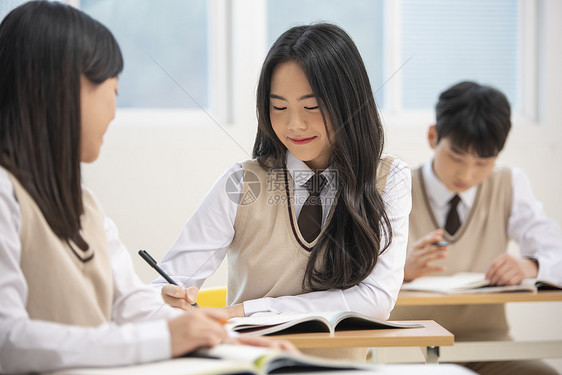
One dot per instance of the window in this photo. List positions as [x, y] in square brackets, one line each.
[449, 41]
[205, 56]
[362, 19]
[414, 49]
[164, 44]
[6, 6]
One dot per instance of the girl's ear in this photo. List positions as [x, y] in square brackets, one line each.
[432, 136]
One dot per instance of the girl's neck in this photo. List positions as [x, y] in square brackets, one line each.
[317, 166]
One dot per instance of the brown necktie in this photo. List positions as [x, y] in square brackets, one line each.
[310, 218]
[453, 221]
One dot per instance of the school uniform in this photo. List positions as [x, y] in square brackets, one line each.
[498, 210]
[63, 307]
[250, 214]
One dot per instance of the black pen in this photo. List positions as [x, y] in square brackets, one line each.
[152, 263]
[440, 243]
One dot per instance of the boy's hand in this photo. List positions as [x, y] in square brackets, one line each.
[180, 298]
[509, 270]
[423, 253]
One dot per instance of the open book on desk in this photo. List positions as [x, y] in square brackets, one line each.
[267, 361]
[471, 282]
[226, 359]
[286, 323]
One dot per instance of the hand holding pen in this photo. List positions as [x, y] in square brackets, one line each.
[173, 294]
[426, 256]
[202, 322]
[183, 299]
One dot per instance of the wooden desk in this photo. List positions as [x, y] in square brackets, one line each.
[489, 350]
[430, 338]
[409, 298]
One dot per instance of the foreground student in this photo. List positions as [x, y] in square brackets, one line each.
[69, 295]
[317, 121]
[493, 206]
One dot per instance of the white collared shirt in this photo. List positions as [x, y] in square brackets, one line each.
[205, 239]
[539, 236]
[301, 173]
[439, 197]
[138, 331]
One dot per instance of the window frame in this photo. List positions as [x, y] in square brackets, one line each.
[528, 74]
[220, 110]
[237, 46]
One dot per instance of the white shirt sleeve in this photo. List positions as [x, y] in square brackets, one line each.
[133, 301]
[204, 240]
[28, 345]
[539, 236]
[376, 295]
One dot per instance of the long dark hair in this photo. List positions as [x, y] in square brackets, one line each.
[349, 248]
[45, 47]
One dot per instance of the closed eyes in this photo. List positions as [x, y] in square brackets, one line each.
[283, 108]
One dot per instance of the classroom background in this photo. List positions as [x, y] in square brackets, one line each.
[186, 105]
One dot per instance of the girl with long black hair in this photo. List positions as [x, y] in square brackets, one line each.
[335, 243]
[69, 295]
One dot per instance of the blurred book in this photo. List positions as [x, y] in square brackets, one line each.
[227, 359]
[471, 282]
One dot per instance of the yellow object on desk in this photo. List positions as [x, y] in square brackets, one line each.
[212, 297]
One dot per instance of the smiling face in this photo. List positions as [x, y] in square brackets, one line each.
[458, 170]
[97, 107]
[296, 118]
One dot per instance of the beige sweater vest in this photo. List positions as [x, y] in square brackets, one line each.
[268, 255]
[65, 284]
[480, 239]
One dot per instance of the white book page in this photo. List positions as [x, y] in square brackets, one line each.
[458, 281]
[269, 318]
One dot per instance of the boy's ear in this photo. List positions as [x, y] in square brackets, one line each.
[432, 136]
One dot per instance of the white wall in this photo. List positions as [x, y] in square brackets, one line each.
[151, 177]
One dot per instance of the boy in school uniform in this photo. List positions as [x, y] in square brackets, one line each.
[460, 197]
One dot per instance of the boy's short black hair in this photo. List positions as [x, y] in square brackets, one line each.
[474, 117]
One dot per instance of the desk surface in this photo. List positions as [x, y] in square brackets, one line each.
[411, 298]
[182, 366]
[432, 334]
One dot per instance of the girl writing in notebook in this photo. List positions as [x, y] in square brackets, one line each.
[318, 221]
[69, 295]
